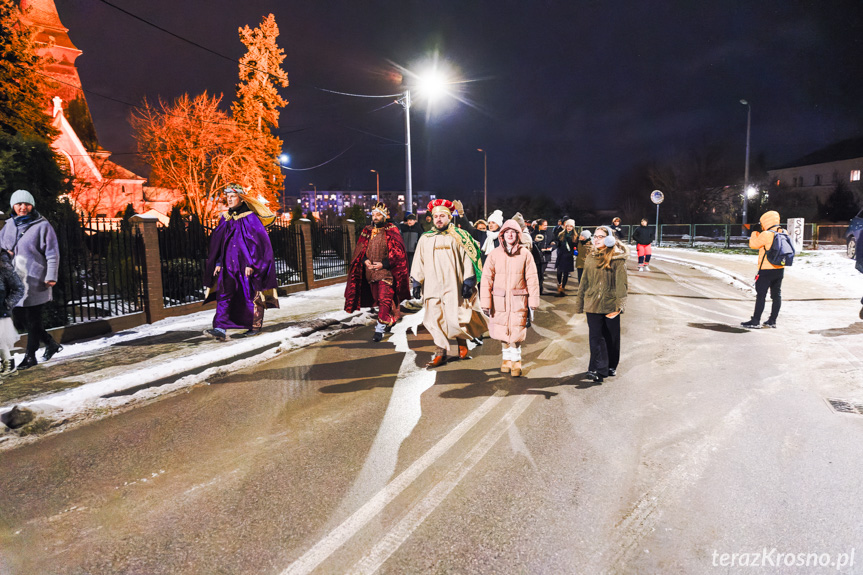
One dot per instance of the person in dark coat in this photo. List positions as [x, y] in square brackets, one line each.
[859, 259]
[240, 274]
[643, 236]
[617, 229]
[411, 231]
[584, 246]
[565, 244]
[542, 240]
[30, 237]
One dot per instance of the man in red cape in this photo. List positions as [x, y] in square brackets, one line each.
[378, 275]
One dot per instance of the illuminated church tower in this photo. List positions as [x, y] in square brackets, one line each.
[52, 40]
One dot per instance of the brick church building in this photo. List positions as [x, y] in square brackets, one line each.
[101, 186]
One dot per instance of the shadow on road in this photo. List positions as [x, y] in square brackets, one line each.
[855, 328]
[720, 327]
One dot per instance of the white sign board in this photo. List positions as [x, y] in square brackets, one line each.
[796, 227]
[656, 197]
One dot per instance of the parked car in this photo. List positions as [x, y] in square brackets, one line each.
[854, 234]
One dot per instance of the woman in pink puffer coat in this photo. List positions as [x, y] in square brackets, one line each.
[509, 292]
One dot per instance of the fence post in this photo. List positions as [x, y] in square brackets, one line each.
[727, 236]
[154, 303]
[308, 253]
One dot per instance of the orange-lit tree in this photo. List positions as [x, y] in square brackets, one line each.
[256, 109]
[195, 147]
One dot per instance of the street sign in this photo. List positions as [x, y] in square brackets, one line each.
[656, 197]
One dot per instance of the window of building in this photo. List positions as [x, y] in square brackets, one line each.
[855, 175]
[800, 181]
[817, 179]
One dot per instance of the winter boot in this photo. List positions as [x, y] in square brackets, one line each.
[29, 361]
[515, 354]
[50, 349]
[559, 289]
[506, 364]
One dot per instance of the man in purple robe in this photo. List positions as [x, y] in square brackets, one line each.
[240, 274]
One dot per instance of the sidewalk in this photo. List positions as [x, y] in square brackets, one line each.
[107, 373]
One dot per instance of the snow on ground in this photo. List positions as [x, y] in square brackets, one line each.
[831, 268]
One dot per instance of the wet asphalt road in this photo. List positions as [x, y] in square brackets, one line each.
[347, 456]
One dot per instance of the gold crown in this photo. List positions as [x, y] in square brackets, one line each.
[382, 208]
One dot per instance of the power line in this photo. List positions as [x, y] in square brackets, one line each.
[322, 163]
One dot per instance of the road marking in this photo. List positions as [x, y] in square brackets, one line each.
[350, 526]
[390, 543]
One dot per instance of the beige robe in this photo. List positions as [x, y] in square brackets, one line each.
[441, 264]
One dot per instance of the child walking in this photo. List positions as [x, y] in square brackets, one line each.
[12, 290]
[509, 292]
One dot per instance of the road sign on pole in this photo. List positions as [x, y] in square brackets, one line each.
[657, 197]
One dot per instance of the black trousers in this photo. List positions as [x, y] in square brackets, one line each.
[768, 280]
[604, 338]
[30, 319]
[562, 278]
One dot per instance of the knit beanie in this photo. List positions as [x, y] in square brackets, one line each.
[22, 197]
[496, 217]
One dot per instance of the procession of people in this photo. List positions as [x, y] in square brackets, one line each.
[470, 279]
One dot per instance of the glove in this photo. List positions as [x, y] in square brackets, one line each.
[486, 311]
[467, 287]
[417, 290]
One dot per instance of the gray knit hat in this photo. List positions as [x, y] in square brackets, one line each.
[22, 197]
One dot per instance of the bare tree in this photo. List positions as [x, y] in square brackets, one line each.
[194, 147]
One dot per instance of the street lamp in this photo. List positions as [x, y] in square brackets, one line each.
[484, 182]
[284, 159]
[378, 186]
[431, 84]
[746, 173]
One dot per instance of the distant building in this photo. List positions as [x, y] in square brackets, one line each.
[339, 201]
[821, 171]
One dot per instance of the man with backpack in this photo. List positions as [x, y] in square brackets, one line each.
[775, 251]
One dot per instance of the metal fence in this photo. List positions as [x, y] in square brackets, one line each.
[288, 249]
[330, 250]
[100, 271]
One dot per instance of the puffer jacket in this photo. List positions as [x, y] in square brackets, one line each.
[584, 248]
[509, 286]
[763, 240]
[603, 290]
[12, 289]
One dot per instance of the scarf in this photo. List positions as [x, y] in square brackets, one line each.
[25, 219]
[490, 238]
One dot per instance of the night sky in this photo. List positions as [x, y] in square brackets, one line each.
[565, 96]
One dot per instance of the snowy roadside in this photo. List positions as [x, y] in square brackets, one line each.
[118, 388]
[827, 270]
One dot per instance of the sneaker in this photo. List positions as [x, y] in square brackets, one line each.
[9, 367]
[769, 323]
[377, 337]
[641, 268]
[612, 372]
[646, 268]
[751, 324]
[593, 376]
[217, 334]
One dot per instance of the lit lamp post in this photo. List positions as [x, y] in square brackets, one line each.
[284, 159]
[378, 185]
[484, 182]
[746, 173]
[431, 84]
[314, 198]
